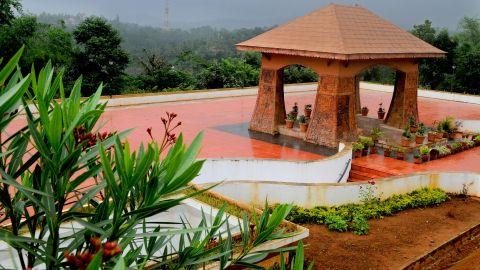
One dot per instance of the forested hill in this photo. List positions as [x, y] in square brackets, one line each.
[207, 42]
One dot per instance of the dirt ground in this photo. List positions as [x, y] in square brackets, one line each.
[392, 241]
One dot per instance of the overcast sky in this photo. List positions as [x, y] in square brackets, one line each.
[248, 13]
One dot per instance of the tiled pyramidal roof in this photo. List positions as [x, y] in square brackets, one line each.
[344, 33]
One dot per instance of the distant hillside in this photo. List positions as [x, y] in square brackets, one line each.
[205, 41]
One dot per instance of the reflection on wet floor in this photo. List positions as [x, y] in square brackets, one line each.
[281, 140]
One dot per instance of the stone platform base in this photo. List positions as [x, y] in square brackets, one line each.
[294, 132]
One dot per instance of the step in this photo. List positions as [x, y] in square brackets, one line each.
[380, 174]
[363, 175]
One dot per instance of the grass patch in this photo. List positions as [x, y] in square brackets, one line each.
[354, 217]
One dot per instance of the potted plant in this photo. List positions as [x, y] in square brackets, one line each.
[455, 133]
[365, 111]
[447, 126]
[367, 143]
[413, 125]
[440, 132]
[290, 120]
[387, 152]
[400, 153]
[417, 158]
[308, 110]
[477, 140]
[406, 137]
[434, 154]
[425, 153]
[432, 135]
[294, 111]
[302, 120]
[381, 111]
[443, 151]
[357, 148]
[420, 135]
[376, 134]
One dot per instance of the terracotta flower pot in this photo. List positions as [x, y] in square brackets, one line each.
[365, 152]
[417, 160]
[425, 158]
[289, 124]
[365, 111]
[413, 129]
[456, 135]
[400, 155]
[387, 152]
[440, 135]
[307, 113]
[303, 127]
[419, 139]
[357, 154]
[373, 150]
[405, 142]
[431, 136]
[381, 115]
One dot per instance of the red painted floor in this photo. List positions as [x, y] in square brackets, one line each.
[206, 115]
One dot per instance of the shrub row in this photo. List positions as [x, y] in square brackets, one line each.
[354, 217]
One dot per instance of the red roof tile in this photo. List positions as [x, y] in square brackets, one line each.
[341, 32]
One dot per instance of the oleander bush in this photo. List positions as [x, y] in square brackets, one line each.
[60, 170]
[354, 217]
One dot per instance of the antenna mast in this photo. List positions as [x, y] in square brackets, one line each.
[167, 15]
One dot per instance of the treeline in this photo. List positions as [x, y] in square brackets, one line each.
[129, 58]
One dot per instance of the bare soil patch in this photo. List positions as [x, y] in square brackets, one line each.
[392, 241]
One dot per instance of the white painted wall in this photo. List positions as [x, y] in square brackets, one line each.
[311, 195]
[326, 170]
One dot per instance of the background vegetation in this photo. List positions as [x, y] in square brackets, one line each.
[130, 58]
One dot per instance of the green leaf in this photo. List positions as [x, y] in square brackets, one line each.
[96, 262]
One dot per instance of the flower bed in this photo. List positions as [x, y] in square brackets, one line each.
[354, 217]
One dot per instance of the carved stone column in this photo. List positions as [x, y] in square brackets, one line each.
[404, 100]
[270, 107]
[333, 117]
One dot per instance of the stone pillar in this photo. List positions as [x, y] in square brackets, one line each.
[270, 107]
[333, 117]
[358, 104]
[404, 100]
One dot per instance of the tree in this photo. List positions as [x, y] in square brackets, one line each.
[467, 56]
[16, 34]
[99, 56]
[7, 9]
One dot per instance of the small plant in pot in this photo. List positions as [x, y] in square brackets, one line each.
[367, 143]
[420, 136]
[447, 126]
[365, 111]
[455, 133]
[432, 134]
[295, 110]
[413, 125]
[434, 153]
[357, 148]
[440, 132]
[387, 152]
[477, 140]
[400, 153]
[381, 111]
[417, 158]
[425, 152]
[308, 110]
[407, 138]
[290, 120]
[376, 134]
[302, 120]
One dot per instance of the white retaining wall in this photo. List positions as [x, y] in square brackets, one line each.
[311, 195]
[328, 170]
